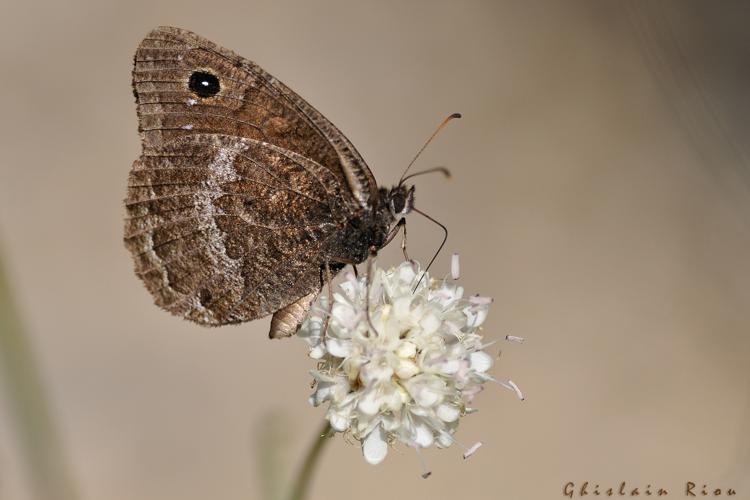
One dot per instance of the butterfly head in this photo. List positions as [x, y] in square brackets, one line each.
[400, 200]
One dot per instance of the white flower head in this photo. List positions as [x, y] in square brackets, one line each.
[409, 372]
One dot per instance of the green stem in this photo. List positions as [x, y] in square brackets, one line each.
[302, 484]
[34, 426]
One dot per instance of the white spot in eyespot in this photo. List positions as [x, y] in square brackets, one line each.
[192, 102]
[204, 83]
[189, 126]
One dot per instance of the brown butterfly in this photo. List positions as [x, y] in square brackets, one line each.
[245, 197]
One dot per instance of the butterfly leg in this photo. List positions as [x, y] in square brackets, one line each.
[373, 252]
[393, 232]
[327, 268]
[401, 224]
[403, 243]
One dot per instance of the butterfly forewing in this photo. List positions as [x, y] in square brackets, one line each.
[250, 103]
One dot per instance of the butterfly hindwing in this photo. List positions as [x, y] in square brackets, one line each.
[223, 229]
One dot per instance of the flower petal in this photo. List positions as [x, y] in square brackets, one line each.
[339, 422]
[406, 350]
[429, 323]
[374, 446]
[423, 435]
[406, 369]
[448, 413]
[369, 403]
[402, 307]
[338, 347]
[480, 361]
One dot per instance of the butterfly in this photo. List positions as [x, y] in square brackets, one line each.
[245, 197]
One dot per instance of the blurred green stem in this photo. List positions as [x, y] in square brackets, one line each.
[33, 424]
[302, 483]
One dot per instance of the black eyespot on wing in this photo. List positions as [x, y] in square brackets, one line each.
[204, 84]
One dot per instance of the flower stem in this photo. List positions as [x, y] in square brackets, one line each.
[30, 413]
[302, 483]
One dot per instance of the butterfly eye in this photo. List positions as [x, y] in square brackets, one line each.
[398, 203]
[204, 84]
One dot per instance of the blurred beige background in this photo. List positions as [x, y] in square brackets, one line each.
[601, 194]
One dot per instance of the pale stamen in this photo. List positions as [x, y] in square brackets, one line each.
[455, 267]
[426, 472]
[472, 449]
[485, 346]
[513, 338]
[516, 389]
[510, 385]
[468, 451]
[481, 301]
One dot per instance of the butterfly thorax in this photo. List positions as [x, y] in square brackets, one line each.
[372, 227]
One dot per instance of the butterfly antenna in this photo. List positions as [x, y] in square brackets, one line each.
[436, 132]
[442, 170]
[445, 238]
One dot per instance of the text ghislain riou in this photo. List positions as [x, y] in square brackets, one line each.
[690, 489]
